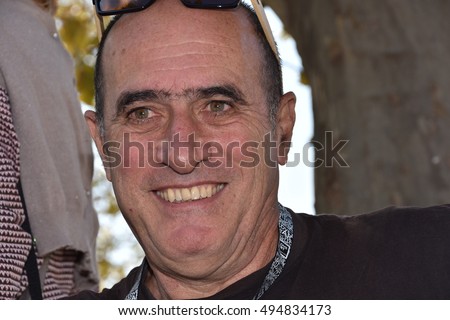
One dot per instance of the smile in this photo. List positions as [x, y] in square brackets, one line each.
[179, 195]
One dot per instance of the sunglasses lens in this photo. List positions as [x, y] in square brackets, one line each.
[211, 3]
[107, 6]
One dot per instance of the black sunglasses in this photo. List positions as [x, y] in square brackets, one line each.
[113, 7]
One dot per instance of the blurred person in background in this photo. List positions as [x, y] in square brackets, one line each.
[48, 226]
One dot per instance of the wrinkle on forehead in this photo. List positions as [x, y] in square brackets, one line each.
[159, 48]
[167, 23]
[179, 52]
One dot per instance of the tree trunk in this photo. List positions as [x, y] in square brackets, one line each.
[380, 77]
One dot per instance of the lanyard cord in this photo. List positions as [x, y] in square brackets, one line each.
[286, 233]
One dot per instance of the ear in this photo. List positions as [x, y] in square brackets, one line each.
[94, 129]
[285, 125]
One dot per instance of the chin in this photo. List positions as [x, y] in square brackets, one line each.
[193, 241]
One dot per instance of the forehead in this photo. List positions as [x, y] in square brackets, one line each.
[168, 38]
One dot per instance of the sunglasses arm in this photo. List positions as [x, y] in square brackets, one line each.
[259, 9]
[99, 24]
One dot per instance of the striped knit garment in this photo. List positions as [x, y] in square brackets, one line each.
[15, 243]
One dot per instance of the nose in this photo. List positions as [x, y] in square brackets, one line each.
[182, 150]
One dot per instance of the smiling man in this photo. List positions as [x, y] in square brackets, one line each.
[197, 216]
[192, 124]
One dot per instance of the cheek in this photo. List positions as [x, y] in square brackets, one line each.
[127, 171]
[134, 153]
[135, 156]
[131, 151]
[252, 151]
[246, 155]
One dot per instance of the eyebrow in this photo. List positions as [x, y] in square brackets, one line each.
[129, 97]
[228, 91]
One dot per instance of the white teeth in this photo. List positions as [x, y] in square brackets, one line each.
[190, 194]
[186, 194]
[170, 195]
[195, 192]
[178, 195]
[203, 192]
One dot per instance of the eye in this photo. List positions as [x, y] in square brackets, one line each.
[140, 114]
[218, 106]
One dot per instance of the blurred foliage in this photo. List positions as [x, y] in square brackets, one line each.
[304, 78]
[117, 249]
[78, 32]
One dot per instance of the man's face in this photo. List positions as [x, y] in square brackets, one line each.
[184, 98]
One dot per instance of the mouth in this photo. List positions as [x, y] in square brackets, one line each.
[179, 195]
